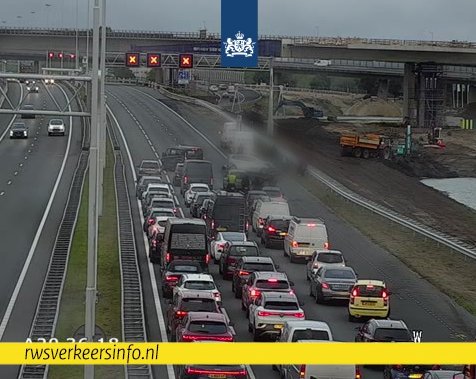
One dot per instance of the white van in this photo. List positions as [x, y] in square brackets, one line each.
[264, 209]
[305, 235]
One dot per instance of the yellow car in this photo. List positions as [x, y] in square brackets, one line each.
[369, 298]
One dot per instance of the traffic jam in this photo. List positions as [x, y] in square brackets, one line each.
[228, 228]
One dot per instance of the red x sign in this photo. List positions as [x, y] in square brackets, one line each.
[153, 60]
[132, 59]
[186, 60]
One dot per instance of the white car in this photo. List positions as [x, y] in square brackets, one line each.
[197, 282]
[56, 126]
[49, 81]
[160, 187]
[213, 88]
[33, 88]
[321, 258]
[322, 62]
[222, 238]
[194, 188]
[269, 312]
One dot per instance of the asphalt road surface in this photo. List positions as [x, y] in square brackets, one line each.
[29, 171]
[147, 122]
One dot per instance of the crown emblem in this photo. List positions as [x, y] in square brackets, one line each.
[239, 46]
[239, 35]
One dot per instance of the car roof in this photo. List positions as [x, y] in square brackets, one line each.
[19, 125]
[150, 160]
[346, 268]
[285, 296]
[206, 316]
[256, 192]
[208, 193]
[308, 324]
[197, 161]
[151, 178]
[248, 259]
[319, 251]
[183, 221]
[275, 218]
[162, 209]
[193, 294]
[187, 147]
[242, 243]
[370, 282]
[271, 188]
[198, 185]
[270, 274]
[204, 277]
[389, 324]
[159, 198]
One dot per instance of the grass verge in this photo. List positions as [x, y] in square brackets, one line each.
[436, 263]
[108, 308]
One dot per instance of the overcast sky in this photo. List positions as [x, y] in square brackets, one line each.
[405, 19]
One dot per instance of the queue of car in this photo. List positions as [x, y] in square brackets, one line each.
[217, 230]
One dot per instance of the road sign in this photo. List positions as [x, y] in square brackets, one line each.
[132, 59]
[186, 60]
[183, 76]
[153, 60]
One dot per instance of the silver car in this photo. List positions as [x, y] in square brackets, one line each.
[323, 258]
[150, 168]
[56, 126]
[332, 283]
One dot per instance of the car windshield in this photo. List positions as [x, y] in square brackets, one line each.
[282, 305]
[200, 199]
[162, 223]
[199, 285]
[198, 305]
[56, 122]
[18, 127]
[271, 284]
[273, 192]
[310, 334]
[149, 165]
[369, 291]
[200, 189]
[280, 224]
[258, 267]
[329, 258]
[207, 327]
[339, 274]
[233, 236]
[159, 203]
[392, 334]
[146, 181]
[243, 250]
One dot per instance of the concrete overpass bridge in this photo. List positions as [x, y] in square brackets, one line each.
[423, 61]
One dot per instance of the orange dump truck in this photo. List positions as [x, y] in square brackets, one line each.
[365, 146]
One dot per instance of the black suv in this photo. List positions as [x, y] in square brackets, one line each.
[384, 331]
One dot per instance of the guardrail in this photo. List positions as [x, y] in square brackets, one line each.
[451, 242]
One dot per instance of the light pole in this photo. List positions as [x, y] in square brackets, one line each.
[76, 40]
[270, 128]
[94, 168]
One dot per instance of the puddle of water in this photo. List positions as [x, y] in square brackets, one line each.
[463, 190]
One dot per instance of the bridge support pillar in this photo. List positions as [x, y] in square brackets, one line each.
[36, 67]
[409, 104]
[383, 87]
[159, 75]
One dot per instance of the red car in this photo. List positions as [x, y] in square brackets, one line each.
[204, 326]
[189, 301]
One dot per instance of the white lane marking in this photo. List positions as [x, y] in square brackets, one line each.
[9, 182]
[2, 193]
[153, 280]
[14, 116]
[250, 370]
[26, 265]
[186, 122]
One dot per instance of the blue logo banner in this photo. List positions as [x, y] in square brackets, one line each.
[239, 33]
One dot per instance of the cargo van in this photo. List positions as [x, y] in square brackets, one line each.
[185, 238]
[320, 371]
[305, 235]
[197, 171]
[264, 209]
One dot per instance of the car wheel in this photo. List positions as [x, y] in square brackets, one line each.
[386, 373]
[291, 258]
[220, 271]
[267, 244]
[243, 308]
[49, 134]
[318, 297]
[284, 253]
[232, 286]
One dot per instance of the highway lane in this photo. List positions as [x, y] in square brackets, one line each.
[37, 161]
[421, 305]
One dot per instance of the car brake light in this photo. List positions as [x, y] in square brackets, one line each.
[302, 372]
[357, 373]
[311, 225]
[273, 280]
[185, 179]
[325, 285]
[171, 278]
[326, 245]
[207, 258]
[201, 372]
[213, 224]
[384, 294]
[291, 292]
[397, 367]
[355, 292]
[217, 294]
[154, 243]
[181, 313]
[295, 244]
[247, 225]
[167, 257]
[298, 314]
[254, 293]
[243, 273]
[271, 229]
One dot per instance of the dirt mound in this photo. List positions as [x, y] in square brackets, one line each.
[375, 107]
